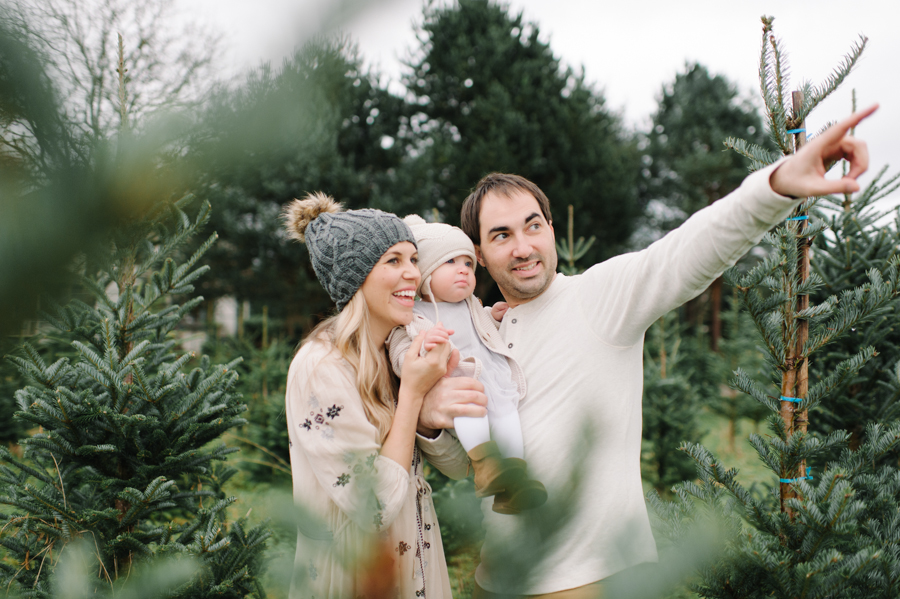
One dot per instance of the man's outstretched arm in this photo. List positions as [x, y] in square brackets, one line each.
[803, 175]
[629, 292]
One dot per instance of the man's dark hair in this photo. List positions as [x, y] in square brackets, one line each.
[505, 185]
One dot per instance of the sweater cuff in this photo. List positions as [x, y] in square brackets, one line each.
[764, 203]
[440, 444]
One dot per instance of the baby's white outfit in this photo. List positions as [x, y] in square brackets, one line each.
[483, 357]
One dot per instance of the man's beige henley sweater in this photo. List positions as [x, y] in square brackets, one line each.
[580, 344]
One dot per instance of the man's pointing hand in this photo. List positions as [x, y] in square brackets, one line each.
[803, 175]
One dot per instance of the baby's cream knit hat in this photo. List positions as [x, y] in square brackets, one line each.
[437, 243]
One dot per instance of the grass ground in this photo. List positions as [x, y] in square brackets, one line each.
[267, 500]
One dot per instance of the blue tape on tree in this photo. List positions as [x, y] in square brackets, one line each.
[793, 399]
[793, 480]
[795, 131]
[798, 218]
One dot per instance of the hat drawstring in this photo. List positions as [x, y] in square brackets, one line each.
[427, 287]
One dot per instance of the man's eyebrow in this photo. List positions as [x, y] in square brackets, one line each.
[502, 228]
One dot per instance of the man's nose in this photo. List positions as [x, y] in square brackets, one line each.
[522, 248]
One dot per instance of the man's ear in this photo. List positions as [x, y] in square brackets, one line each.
[478, 256]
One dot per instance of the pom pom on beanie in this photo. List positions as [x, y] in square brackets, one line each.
[344, 246]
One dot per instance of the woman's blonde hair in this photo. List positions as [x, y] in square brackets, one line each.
[348, 333]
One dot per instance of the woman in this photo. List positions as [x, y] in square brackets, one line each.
[354, 458]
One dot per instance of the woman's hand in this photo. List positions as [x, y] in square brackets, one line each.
[420, 373]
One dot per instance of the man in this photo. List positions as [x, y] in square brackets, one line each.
[579, 341]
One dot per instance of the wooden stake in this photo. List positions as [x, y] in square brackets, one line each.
[795, 381]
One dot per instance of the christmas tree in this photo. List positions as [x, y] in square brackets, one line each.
[125, 457]
[829, 527]
[670, 405]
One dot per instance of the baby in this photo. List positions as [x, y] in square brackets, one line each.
[493, 442]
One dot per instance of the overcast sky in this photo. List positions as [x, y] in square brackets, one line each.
[628, 49]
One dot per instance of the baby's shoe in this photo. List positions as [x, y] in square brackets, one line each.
[493, 474]
[522, 494]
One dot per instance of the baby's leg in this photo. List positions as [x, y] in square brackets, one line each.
[506, 431]
[472, 432]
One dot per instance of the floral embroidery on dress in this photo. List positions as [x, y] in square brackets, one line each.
[378, 520]
[403, 547]
[313, 573]
[342, 480]
[320, 418]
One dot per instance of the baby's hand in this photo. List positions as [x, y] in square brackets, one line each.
[435, 336]
[498, 310]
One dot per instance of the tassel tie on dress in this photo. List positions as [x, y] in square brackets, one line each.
[422, 486]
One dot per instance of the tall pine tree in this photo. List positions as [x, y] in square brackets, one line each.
[491, 96]
[829, 528]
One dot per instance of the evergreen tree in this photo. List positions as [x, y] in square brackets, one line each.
[491, 96]
[10, 429]
[686, 166]
[829, 529]
[320, 122]
[124, 455]
[857, 244]
[670, 405]
[737, 349]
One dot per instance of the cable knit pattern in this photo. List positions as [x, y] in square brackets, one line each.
[345, 246]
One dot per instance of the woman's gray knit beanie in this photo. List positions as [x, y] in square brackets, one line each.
[344, 247]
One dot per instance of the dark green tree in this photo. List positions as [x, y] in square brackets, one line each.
[126, 455]
[686, 166]
[828, 528]
[858, 243]
[320, 122]
[670, 405]
[489, 95]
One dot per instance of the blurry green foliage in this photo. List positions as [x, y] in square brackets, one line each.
[60, 194]
[320, 122]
